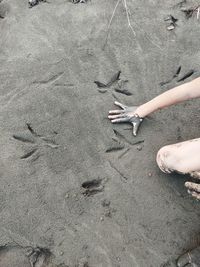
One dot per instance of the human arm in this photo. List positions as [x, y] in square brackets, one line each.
[173, 96]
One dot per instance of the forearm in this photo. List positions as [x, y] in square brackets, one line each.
[176, 95]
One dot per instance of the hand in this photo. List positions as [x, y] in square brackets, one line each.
[194, 188]
[126, 114]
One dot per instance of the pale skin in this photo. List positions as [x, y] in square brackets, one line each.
[183, 157]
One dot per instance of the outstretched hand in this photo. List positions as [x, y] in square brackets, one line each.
[126, 114]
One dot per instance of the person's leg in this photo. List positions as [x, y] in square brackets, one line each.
[182, 157]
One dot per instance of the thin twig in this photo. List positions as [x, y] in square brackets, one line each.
[128, 18]
[113, 14]
[109, 24]
[129, 24]
[119, 172]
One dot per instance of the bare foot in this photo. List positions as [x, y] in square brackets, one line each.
[189, 259]
[194, 188]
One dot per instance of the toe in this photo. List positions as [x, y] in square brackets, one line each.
[183, 260]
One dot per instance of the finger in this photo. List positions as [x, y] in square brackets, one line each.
[120, 105]
[135, 128]
[183, 260]
[195, 195]
[119, 120]
[117, 116]
[189, 259]
[189, 191]
[193, 186]
[116, 111]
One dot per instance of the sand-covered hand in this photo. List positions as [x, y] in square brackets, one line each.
[126, 114]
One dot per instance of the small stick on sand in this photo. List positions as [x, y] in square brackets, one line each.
[129, 25]
[128, 18]
[111, 19]
[109, 24]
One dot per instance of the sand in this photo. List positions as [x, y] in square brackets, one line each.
[50, 55]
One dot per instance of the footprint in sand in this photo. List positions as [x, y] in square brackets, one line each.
[4, 9]
[92, 187]
[36, 140]
[16, 256]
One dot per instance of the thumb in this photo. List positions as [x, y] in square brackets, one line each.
[136, 126]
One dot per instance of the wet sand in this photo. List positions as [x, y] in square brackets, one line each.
[60, 189]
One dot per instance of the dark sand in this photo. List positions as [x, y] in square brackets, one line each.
[50, 56]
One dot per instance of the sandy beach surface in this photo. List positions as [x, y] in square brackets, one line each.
[72, 183]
